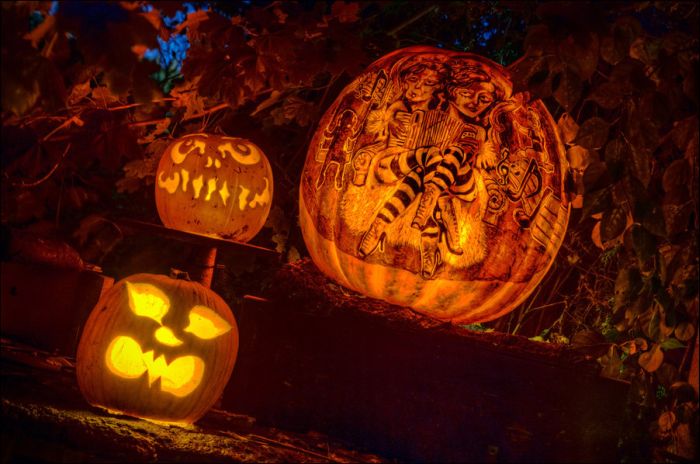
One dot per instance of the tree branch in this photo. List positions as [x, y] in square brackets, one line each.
[23, 184]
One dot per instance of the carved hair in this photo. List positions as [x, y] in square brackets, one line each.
[463, 73]
[417, 65]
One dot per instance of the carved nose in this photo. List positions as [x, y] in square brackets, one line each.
[166, 336]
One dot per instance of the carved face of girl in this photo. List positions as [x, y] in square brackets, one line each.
[420, 86]
[473, 99]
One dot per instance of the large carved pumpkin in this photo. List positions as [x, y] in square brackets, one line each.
[429, 184]
[157, 348]
[214, 185]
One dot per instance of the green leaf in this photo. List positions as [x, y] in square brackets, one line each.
[671, 344]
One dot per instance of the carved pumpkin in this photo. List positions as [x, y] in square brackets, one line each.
[429, 184]
[215, 186]
[157, 348]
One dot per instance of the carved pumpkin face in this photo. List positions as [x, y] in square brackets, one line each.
[215, 186]
[429, 184]
[157, 348]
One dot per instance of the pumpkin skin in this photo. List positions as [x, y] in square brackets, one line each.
[157, 348]
[428, 184]
[215, 186]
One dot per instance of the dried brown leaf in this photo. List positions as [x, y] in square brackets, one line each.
[651, 360]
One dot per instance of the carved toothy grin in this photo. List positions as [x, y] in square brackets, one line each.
[125, 358]
[212, 188]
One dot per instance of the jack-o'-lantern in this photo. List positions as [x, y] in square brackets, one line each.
[157, 348]
[429, 184]
[214, 185]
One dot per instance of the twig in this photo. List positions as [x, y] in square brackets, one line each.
[46, 177]
[73, 120]
[132, 105]
[412, 20]
[152, 122]
[312, 126]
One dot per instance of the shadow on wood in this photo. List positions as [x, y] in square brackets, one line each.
[409, 387]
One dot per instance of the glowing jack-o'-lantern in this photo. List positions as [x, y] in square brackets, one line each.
[429, 184]
[157, 348]
[213, 185]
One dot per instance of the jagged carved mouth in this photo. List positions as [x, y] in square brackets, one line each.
[213, 187]
[126, 359]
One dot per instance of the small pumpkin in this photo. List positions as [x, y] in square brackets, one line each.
[214, 185]
[430, 184]
[157, 348]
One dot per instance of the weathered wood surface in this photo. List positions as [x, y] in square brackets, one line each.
[315, 356]
[46, 306]
[45, 419]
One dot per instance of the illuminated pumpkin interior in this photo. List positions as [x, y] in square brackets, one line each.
[206, 324]
[126, 358]
[214, 185]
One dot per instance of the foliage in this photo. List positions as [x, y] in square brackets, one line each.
[84, 123]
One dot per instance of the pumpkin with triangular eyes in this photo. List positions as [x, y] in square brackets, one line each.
[157, 348]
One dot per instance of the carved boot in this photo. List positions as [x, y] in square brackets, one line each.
[426, 207]
[430, 257]
[448, 218]
[373, 238]
[361, 165]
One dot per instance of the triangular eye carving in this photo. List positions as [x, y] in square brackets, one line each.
[148, 301]
[205, 323]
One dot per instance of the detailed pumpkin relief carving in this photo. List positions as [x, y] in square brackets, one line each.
[214, 185]
[429, 171]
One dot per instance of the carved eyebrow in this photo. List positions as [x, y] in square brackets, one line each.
[147, 300]
[206, 323]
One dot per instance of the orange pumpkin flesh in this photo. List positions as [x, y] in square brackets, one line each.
[157, 348]
[213, 185]
[429, 184]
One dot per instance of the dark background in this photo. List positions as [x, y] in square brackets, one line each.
[92, 92]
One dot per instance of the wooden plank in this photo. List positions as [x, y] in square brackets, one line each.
[314, 356]
[47, 420]
[46, 306]
[133, 226]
